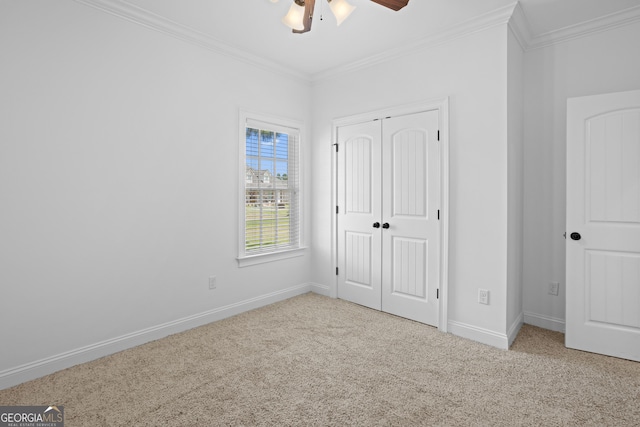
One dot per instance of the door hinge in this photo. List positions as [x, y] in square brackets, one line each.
[438, 214]
[336, 147]
[336, 271]
[438, 135]
[337, 210]
[437, 293]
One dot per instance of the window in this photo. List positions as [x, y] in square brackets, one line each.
[270, 186]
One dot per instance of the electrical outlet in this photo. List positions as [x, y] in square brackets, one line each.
[483, 296]
[213, 282]
[554, 288]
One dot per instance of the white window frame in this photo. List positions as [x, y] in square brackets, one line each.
[247, 259]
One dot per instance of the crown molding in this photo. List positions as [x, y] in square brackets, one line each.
[513, 15]
[583, 29]
[519, 26]
[480, 23]
[140, 16]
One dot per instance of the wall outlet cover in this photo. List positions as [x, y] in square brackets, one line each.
[483, 296]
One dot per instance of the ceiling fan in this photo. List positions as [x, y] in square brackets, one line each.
[300, 14]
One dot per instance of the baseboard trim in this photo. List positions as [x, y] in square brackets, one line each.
[20, 374]
[320, 289]
[515, 328]
[481, 335]
[544, 322]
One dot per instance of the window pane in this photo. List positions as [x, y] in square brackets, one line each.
[251, 173]
[252, 163]
[252, 219]
[267, 173]
[282, 173]
[282, 146]
[252, 142]
[266, 143]
[268, 219]
[283, 210]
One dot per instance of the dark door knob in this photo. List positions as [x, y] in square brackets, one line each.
[576, 236]
[385, 225]
[376, 225]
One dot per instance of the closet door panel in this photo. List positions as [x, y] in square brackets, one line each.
[410, 203]
[410, 168]
[359, 207]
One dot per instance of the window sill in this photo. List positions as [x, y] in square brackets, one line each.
[250, 260]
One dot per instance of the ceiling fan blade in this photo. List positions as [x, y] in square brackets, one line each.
[308, 16]
[392, 4]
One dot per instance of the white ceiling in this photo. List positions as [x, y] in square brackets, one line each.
[254, 27]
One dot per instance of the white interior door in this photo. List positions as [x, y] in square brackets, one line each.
[410, 205]
[388, 226]
[603, 224]
[359, 207]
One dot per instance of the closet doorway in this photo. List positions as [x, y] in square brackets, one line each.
[390, 214]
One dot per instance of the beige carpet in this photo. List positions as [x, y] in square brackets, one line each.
[312, 360]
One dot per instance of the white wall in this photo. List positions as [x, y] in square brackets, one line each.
[515, 178]
[118, 170]
[118, 178]
[472, 72]
[604, 62]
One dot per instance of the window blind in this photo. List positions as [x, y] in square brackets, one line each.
[271, 188]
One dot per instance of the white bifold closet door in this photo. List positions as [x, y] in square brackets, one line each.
[388, 215]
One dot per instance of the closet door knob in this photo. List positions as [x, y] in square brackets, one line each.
[376, 225]
[576, 236]
[385, 225]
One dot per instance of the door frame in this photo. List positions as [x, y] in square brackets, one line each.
[442, 106]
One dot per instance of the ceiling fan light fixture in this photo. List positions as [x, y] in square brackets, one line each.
[294, 19]
[341, 9]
